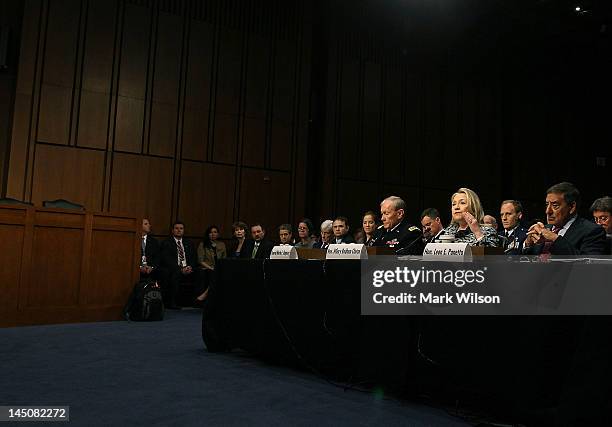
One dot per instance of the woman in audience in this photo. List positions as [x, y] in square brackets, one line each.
[326, 234]
[369, 227]
[210, 249]
[467, 225]
[305, 230]
[239, 230]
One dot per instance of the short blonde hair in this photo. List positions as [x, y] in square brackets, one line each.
[473, 203]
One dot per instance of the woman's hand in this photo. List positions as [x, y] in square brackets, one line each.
[473, 224]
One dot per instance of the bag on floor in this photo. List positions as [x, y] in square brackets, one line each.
[145, 302]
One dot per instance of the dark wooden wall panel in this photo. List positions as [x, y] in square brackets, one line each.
[62, 265]
[229, 71]
[265, 196]
[284, 81]
[99, 45]
[204, 201]
[163, 129]
[61, 42]
[281, 146]
[197, 93]
[158, 101]
[356, 198]
[11, 244]
[195, 134]
[109, 248]
[134, 51]
[93, 120]
[226, 138]
[69, 173]
[56, 287]
[97, 74]
[129, 126]
[254, 148]
[392, 150]
[371, 121]
[349, 126]
[166, 86]
[142, 186]
[55, 108]
[258, 77]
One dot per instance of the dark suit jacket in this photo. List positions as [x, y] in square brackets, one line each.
[319, 244]
[347, 238]
[169, 254]
[581, 238]
[264, 250]
[152, 251]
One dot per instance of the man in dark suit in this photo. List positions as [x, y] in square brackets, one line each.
[179, 262]
[326, 235]
[514, 234]
[340, 228]
[398, 233]
[149, 253]
[566, 233]
[259, 247]
[432, 225]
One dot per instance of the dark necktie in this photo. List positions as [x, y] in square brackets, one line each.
[548, 243]
[143, 245]
[181, 252]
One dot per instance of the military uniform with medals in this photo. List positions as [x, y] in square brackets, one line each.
[404, 238]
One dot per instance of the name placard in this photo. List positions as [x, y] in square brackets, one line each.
[458, 252]
[347, 251]
[283, 252]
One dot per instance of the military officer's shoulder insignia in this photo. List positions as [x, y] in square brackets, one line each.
[413, 228]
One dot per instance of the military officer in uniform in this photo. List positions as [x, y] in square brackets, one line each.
[397, 233]
[514, 234]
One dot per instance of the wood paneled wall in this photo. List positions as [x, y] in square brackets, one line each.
[60, 265]
[165, 109]
[394, 126]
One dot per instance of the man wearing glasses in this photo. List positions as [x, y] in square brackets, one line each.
[601, 209]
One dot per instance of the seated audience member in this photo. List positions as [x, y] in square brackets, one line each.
[285, 235]
[432, 225]
[368, 222]
[397, 233]
[149, 253]
[326, 235]
[466, 224]
[490, 221]
[305, 232]
[209, 251]
[239, 229]
[259, 247]
[179, 262]
[359, 236]
[514, 234]
[341, 231]
[601, 209]
[569, 234]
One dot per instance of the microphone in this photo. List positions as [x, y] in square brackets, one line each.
[402, 251]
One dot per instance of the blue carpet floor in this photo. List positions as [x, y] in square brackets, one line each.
[159, 374]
